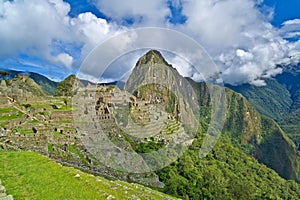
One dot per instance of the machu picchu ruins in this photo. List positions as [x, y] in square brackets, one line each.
[73, 125]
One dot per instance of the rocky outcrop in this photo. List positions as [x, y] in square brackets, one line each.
[3, 195]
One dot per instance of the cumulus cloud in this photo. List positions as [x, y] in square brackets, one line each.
[65, 59]
[29, 26]
[290, 28]
[245, 46]
[91, 30]
[150, 13]
[32, 27]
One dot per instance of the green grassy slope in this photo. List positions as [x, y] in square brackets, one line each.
[28, 175]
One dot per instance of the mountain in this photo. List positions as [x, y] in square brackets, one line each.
[259, 136]
[279, 100]
[245, 128]
[47, 85]
[21, 85]
[246, 133]
[290, 124]
[290, 80]
[272, 100]
[68, 86]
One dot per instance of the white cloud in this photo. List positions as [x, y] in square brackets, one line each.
[142, 12]
[258, 82]
[290, 28]
[65, 59]
[91, 30]
[291, 22]
[31, 26]
[181, 65]
[239, 37]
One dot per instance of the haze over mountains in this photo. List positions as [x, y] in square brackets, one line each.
[252, 159]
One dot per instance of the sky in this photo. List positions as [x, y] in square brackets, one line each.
[249, 40]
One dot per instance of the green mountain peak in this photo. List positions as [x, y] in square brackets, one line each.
[152, 57]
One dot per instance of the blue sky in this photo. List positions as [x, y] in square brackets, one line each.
[284, 10]
[247, 39]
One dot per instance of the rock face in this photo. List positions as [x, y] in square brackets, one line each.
[3, 195]
[3, 132]
[152, 70]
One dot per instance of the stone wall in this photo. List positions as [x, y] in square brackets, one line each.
[35, 142]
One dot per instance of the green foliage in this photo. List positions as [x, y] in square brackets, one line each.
[280, 100]
[290, 124]
[75, 150]
[272, 100]
[259, 137]
[67, 87]
[281, 151]
[50, 148]
[226, 173]
[46, 84]
[148, 147]
[57, 133]
[290, 79]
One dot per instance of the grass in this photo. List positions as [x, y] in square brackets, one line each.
[7, 110]
[74, 149]
[57, 133]
[11, 116]
[50, 148]
[28, 175]
[65, 122]
[26, 131]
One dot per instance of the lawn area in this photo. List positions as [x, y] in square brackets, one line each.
[28, 175]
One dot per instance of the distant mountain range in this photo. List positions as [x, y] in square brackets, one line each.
[47, 85]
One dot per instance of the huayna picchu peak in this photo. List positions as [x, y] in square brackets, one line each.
[152, 57]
